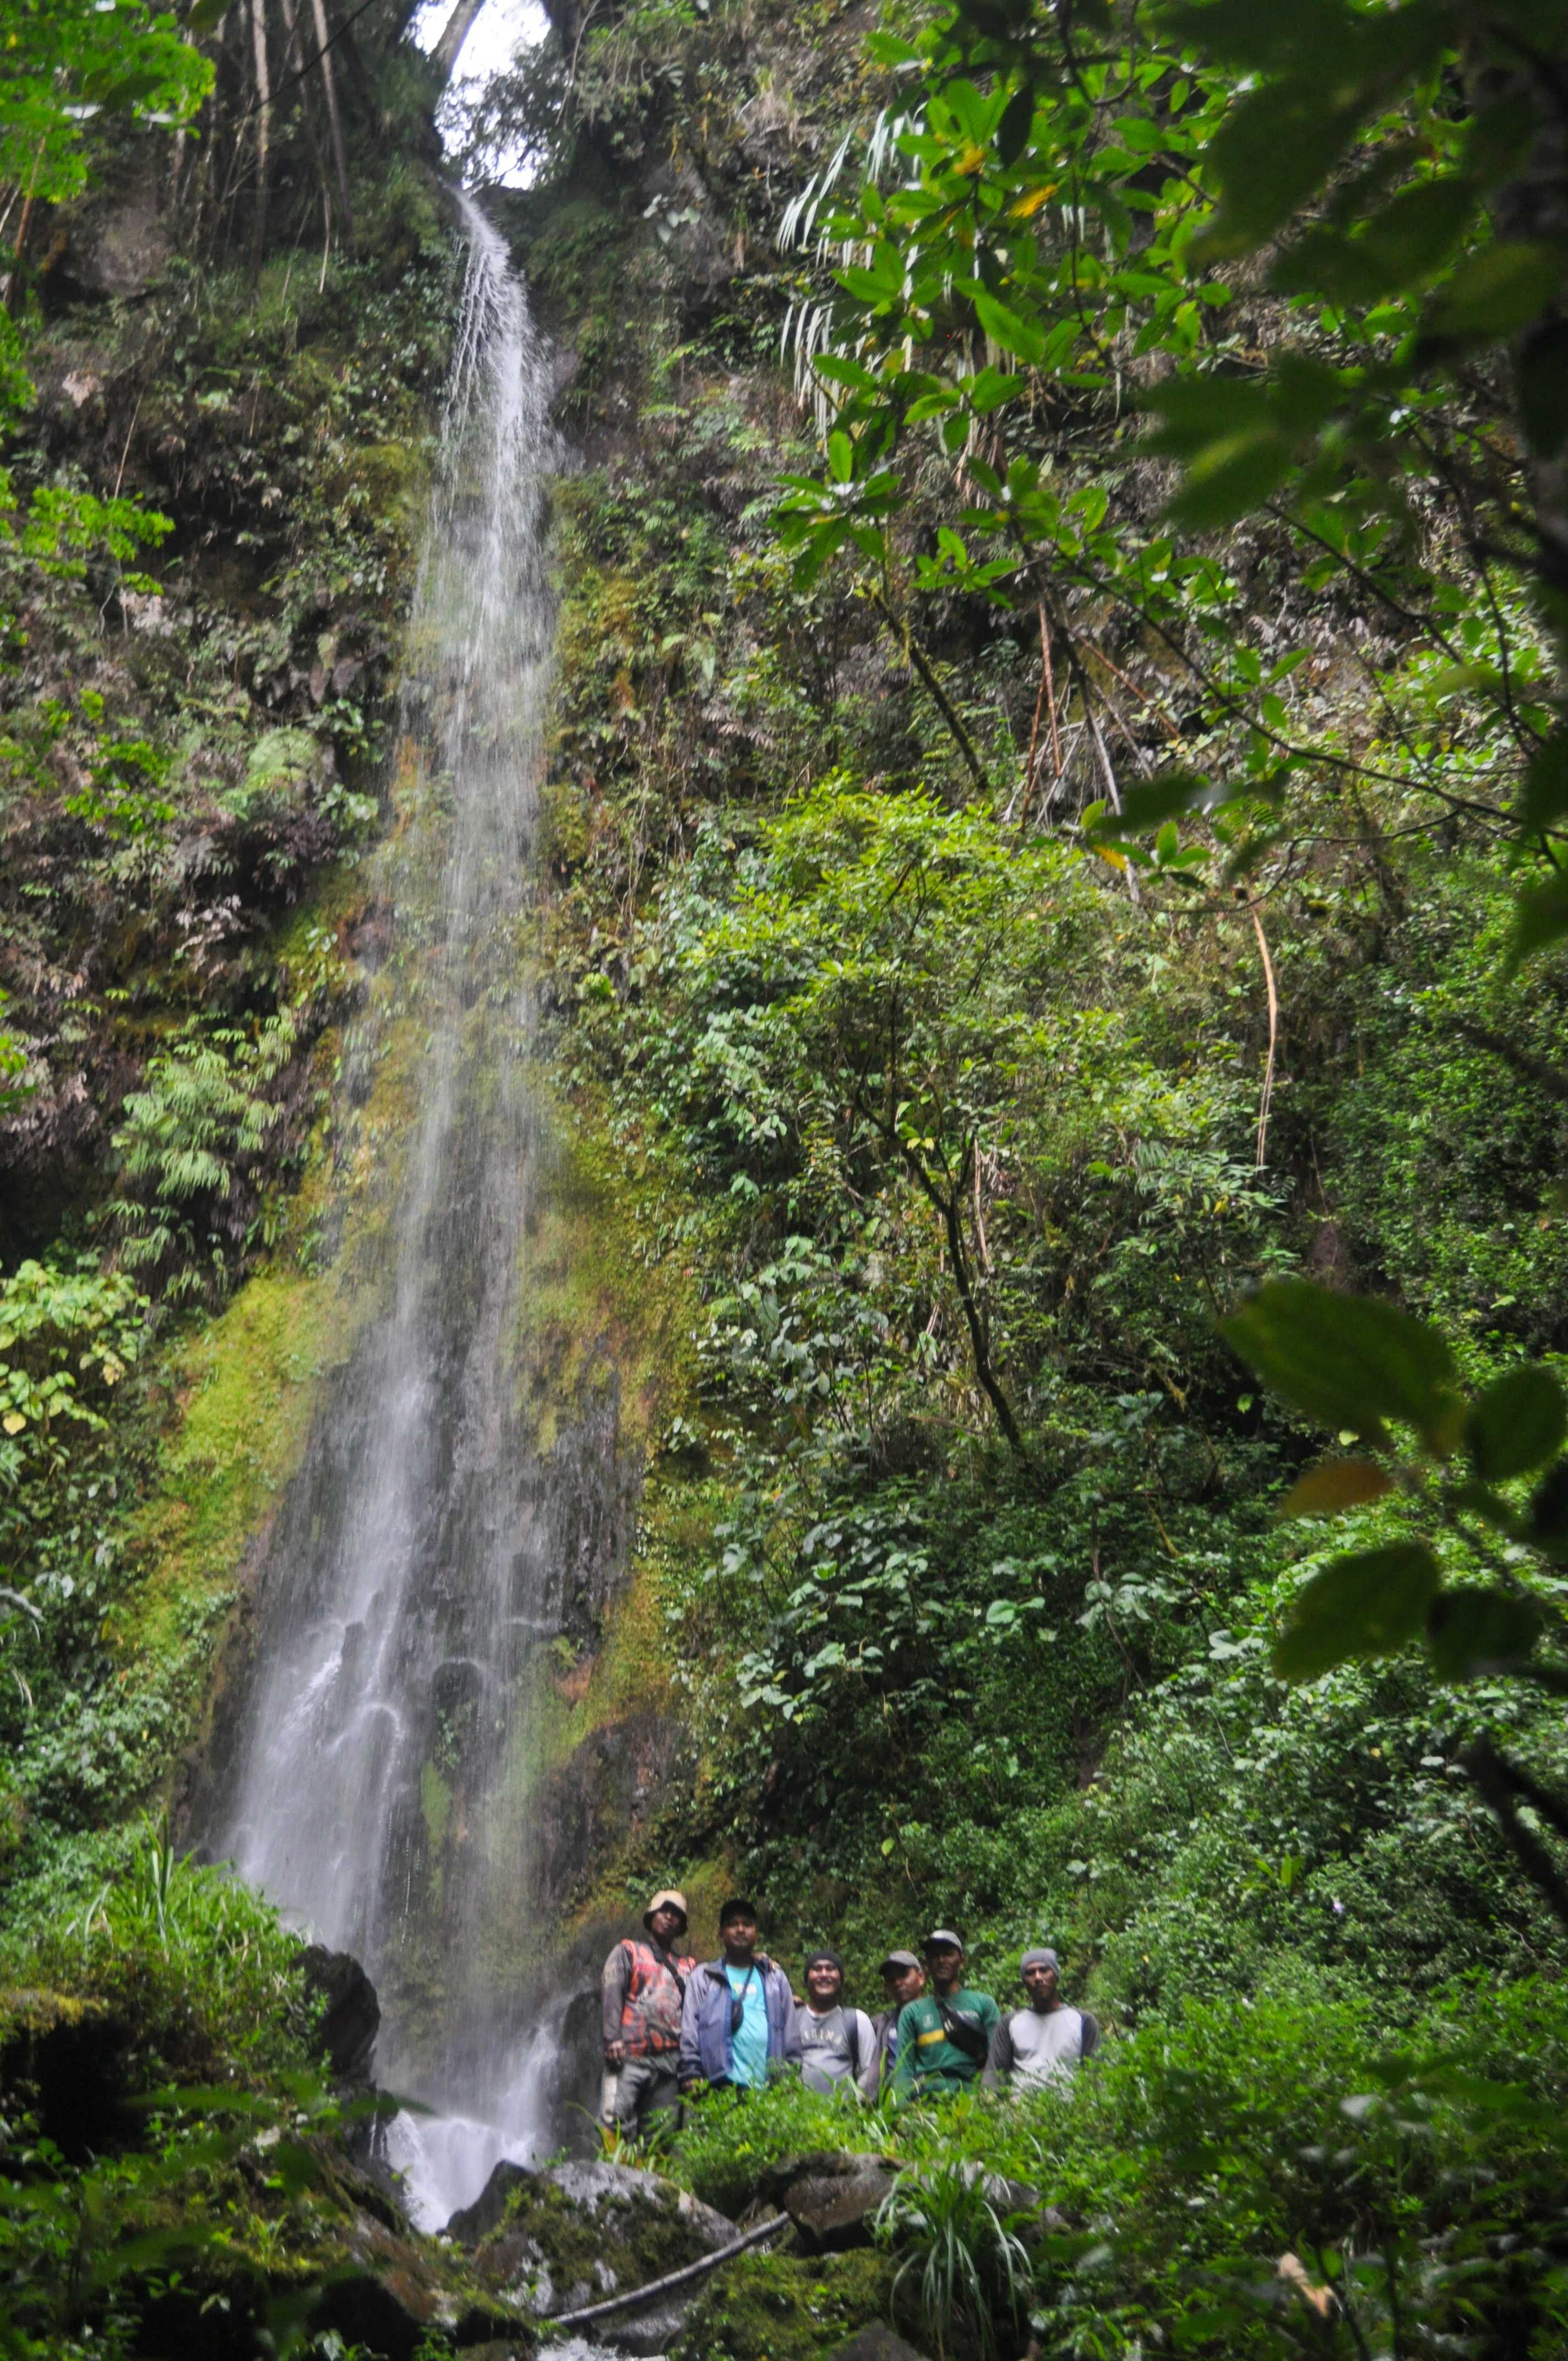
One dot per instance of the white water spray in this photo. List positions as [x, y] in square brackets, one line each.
[379, 1785]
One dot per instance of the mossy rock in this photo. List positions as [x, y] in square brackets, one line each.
[63, 2057]
[775, 2308]
[568, 2236]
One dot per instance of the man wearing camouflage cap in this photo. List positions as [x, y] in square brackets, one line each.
[1043, 2042]
[902, 1979]
[643, 1990]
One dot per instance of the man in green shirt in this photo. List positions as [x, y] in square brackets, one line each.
[944, 2038]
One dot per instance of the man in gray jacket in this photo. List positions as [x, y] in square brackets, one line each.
[738, 2022]
[1043, 2042]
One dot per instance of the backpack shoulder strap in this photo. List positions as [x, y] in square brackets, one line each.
[963, 2032]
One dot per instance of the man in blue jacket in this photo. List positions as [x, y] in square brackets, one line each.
[738, 2016]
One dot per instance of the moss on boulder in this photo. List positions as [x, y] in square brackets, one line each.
[774, 2307]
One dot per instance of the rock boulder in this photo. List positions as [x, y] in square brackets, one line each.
[831, 2195]
[352, 2018]
[559, 2240]
[875, 2344]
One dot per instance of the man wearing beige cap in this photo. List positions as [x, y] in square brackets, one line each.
[644, 1990]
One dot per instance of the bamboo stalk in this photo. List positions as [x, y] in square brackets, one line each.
[1268, 1092]
[14, 281]
[335, 121]
[263, 133]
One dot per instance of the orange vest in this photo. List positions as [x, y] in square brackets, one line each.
[651, 2014]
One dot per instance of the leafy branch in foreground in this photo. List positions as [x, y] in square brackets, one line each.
[1488, 1473]
[1070, 186]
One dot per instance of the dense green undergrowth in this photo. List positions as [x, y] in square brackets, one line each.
[976, 1115]
[1196, 2155]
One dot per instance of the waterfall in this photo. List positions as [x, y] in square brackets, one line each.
[380, 1781]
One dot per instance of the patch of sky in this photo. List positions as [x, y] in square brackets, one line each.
[503, 30]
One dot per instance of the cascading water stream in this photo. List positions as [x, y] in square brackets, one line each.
[379, 1783]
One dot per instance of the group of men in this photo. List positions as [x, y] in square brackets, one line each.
[675, 2025]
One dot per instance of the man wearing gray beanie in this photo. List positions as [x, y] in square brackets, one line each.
[1043, 2042]
[837, 2043]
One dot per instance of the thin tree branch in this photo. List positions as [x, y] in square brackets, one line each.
[915, 656]
[1545, 1076]
[1497, 1781]
[1268, 1092]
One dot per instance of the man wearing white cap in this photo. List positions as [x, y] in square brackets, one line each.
[944, 2038]
[643, 1988]
[1043, 2042]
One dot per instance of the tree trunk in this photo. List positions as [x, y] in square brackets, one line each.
[328, 85]
[263, 132]
[455, 32]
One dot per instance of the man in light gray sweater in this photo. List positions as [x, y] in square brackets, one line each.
[1043, 2042]
[838, 2044]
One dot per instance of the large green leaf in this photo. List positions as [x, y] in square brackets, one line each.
[1541, 920]
[1334, 1486]
[1150, 802]
[1496, 293]
[1472, 1631]
[1324, 68]
[1349, 1361]
[1517, 1425]
[1369, 1604]
[1399, 248]
[1010, 329]
[1547, 1526]
[1544, 802]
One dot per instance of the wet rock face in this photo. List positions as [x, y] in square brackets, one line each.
[113, 243]
[388, 2300]
[471, 2225]
[560, 2240]
[352, 2019]
[605, 1788]
[875, 2344]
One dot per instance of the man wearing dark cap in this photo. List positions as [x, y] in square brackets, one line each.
[836, 2043]
[1043, 2042]
[902, 1979]
[944, 2040]
[738, 2023]
[643, 1992]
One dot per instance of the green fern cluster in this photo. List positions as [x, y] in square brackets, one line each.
[193, 1150]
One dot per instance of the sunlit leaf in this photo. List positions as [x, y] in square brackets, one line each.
[1329, 1489]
